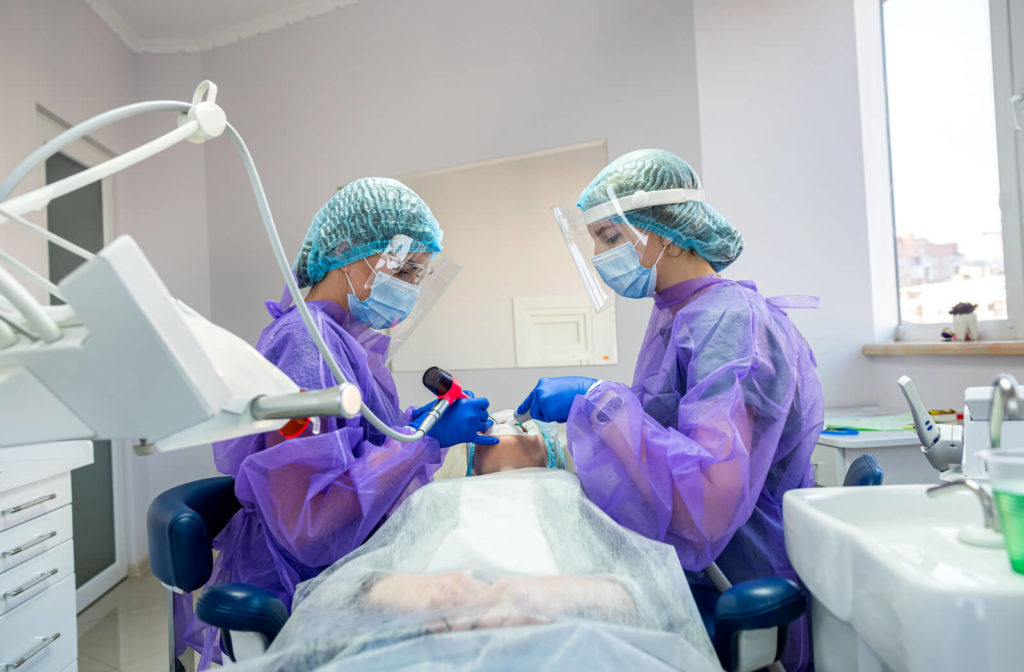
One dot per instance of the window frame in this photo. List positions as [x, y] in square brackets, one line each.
[1007, 74]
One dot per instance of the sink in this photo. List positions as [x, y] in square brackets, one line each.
[894, 589]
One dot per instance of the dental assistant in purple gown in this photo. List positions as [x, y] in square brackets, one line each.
[725, 406]
[309, 500]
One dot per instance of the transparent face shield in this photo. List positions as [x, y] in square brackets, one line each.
[425, 273]
[605, 234]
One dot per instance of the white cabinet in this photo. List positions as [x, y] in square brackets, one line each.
[898, 453]
[38, 631]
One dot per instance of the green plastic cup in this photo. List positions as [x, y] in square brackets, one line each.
[1007, 469]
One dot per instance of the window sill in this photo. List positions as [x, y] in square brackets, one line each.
[955, 349]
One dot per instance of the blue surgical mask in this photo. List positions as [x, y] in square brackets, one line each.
[390, 301]
[620, 268]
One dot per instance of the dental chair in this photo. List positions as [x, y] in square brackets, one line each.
[747, 623]
[865, 470]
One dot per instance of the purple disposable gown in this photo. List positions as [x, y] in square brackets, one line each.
[720, 422]
[308, 501]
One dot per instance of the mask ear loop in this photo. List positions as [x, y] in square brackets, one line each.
[351, 286]
[662, 254]
[373, 270]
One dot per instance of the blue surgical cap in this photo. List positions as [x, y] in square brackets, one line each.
[693, 225]
[359, 221]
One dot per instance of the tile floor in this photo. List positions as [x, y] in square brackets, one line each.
[126, 629]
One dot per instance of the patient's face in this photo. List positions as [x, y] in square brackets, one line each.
[511, 452]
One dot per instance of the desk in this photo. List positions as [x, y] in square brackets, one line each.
[898, 453]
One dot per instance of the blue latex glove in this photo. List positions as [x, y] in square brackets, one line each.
[552, 398]
[417, 415]
[462, 422]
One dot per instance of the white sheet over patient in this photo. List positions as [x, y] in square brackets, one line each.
[618, 601]
[498, 528]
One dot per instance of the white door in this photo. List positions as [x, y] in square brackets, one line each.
[85, 217]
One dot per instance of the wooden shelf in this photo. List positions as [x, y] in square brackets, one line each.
[955, 349]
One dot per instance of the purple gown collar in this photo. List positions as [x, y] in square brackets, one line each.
[687, 288]
[279, 308]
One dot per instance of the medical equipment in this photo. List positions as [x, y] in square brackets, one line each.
[124, 359]
[993, 418]
[443, 385]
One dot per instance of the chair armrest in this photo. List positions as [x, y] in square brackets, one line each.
[242, 608]
[770, 602]
[181, 524]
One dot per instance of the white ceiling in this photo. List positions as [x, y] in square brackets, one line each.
[163, 26]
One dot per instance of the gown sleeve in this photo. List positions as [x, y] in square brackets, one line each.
[695, 483]
[320, 495]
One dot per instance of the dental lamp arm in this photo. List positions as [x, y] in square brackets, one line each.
[78, 132]
[40, 198]
[42, 324]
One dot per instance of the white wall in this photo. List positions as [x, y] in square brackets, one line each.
[393, 87]
[780, 138]
[783, 154]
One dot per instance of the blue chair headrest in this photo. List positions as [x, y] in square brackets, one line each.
[865, 470]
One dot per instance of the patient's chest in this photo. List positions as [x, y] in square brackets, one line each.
[498, 529]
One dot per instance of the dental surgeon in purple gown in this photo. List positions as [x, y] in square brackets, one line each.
[725, 406]
[309, 500]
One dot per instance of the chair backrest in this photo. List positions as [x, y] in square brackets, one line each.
[865, 470]
[181, 525]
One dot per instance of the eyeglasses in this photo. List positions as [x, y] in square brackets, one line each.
[406, 271]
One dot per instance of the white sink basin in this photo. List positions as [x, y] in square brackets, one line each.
[892, 586]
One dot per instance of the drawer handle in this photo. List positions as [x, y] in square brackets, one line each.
[29, 504]
[24, 547]
[31, 653]
[43, 576]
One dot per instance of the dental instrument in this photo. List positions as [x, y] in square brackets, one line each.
[993, 417]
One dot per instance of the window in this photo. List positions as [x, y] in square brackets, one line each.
[953, 158]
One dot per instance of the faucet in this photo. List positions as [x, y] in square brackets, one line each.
[987, 504]
[1005, 404]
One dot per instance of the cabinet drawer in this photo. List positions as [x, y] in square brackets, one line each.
[33, 500]
[26, 541]
[35, 576]
[42, 632]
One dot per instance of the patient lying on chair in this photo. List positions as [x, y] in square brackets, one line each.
[511, 569]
